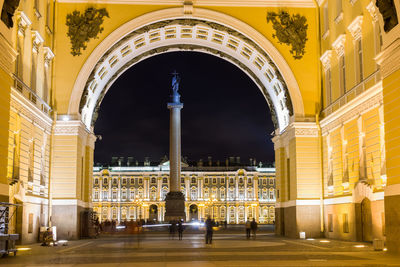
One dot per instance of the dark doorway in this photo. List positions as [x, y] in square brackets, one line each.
[153, 212]
[366, 220]
[193, 212]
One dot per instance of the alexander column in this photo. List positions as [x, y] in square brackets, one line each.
[175, 201]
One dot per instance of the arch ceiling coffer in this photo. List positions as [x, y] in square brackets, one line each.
[188, 35]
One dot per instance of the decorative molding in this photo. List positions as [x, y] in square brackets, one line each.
[75, 128]
[369, 99]
[187, 7]
[352, 2]
[338, 45]
[48, 56]
[23, 22]
[388, 59]
[355, 28]
[37, 40]
[298, 202]
[249, 3]
[326, 59]
[325, 35]
[373, 11]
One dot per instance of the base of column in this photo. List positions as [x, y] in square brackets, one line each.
[392, 215]
[290, 221]
[174, 206]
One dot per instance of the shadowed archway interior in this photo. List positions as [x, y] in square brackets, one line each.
[224, 113]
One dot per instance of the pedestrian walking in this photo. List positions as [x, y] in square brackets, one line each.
[248, 228]
[180, 229]
[253, 227]
[172, 229]
[209, 230]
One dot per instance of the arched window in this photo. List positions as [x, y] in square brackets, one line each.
[214, 181]
[164, 192]
[96, 181]
[249, 193]
[241, 194]
[264, 194]
[231, 193]
[271, 194]
[206, 180]
[223, 212]
[140, 192]
[193, 180]
[165, 180]
[249, 180]
[123, 195]
[231, 181]
[132, 193]
[153, 180]
[272, 212]
[140, 180]
[105, 181]
[241, 180]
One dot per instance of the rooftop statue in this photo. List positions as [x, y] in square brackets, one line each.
[175, 87]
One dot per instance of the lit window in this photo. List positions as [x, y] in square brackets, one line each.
[342, 75]
[206, 180]
[193, 180]
[153, 180]
[165, 180]
[124, 195]
[114, 195]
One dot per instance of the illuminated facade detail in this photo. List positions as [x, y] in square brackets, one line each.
[138, 192]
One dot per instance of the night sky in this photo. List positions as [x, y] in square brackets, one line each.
[224, 112]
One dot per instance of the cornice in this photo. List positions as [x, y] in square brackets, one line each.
[355, 27]
[249, 3]
[369, 99]
[338, 45]
[75, 128]
[48, 55]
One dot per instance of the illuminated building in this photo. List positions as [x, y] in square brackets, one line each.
[232, 193]
[334, 99]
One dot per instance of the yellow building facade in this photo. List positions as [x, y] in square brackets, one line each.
[233, 194]
[328, 70]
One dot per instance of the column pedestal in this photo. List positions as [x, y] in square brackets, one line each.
[175, 206]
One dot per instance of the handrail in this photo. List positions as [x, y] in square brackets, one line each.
[341, 101]
[32, 96]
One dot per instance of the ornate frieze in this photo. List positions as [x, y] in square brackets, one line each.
[338, 45]
[76, 128]
[355, 27]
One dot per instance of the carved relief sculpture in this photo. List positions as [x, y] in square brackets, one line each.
[388, 12]
[290, 30]
[83, 27]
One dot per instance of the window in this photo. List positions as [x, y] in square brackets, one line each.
[232, 193]
[114, 214]
[249, 181]
[222, 180]
[153, 180]
[214, 193]
[271, 181]
[193, 180]
[153, 193]
[124, 181]
[96, 181]
[241, 180]
[206, 193]
[249, 193]
[330, 223]
[140, 193]
[264, 181]
[264, 194]
[115, 181]
[271, 194]
[241, 194]
[345, 223]
[132, 193]
[206, 180]
[359, 60]
[231, 180]
[214, 180]
[140, 180]
[114, 195]
[132, 180]
[193, 193]
[326, 17]
[105, 195]
[328, 87]
[342, 75]
[96, 194]
[124, 195]
[165, 180]
[105, 181]
[182, 180]
[222, 195]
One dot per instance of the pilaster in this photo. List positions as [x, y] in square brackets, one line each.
[298, 176]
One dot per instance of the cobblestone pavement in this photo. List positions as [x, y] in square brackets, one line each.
[228, 249]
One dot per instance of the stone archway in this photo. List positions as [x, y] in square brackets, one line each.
[153, 213]
[206, 31]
